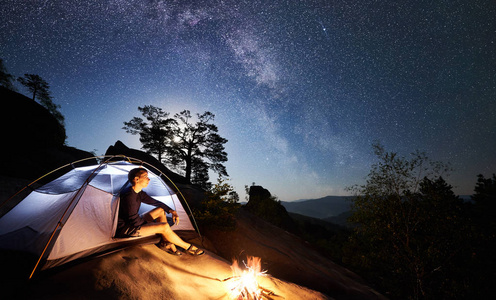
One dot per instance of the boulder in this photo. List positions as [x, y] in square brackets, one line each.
[27, 124]
[262, 204]
[34, 139]
[258, 194]
[193, 193]
[120, 149]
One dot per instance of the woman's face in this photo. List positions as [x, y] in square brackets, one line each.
[143, 180]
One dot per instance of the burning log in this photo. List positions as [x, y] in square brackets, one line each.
[244, 285]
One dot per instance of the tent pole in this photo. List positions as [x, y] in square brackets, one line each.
[59, 223]
[103, 162]
[44, 250]
[53, 171]
[180, 193]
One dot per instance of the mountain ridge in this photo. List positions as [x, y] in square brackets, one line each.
[321, 208]
[328, 207]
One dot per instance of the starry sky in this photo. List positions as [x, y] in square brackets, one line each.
[301, 89]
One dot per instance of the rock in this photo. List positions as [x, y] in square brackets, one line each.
[193, 193]
[34, 139]
[120, 149]
[262, 204]
[258, 194]
[26, 123]
[288, 257]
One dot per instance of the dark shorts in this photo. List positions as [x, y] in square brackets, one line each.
[128, 231]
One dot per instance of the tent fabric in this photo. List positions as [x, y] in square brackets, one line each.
[80, 209]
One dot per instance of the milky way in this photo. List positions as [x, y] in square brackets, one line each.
[301, 89]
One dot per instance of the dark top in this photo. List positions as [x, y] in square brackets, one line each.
[129, 206]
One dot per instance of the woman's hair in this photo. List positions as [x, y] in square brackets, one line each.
[136, 172]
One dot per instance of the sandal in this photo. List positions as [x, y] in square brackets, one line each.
[163, 246]
[194, 251]
[176, 253]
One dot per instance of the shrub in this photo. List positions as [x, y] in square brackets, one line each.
[219, 207]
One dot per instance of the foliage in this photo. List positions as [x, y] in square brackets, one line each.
[54, 109]
[484, 242]
[268, 207]
[36, 85]
[193, 147]
[394, 175]
[155, 132]
[485, 199]
[219, 208]
[197, 147]
[412, 228]
[41, 91]
[329, 238]
[6, 79]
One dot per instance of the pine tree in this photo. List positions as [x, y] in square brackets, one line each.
[35, 84]
[184, 143]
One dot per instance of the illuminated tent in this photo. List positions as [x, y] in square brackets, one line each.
[75, 215]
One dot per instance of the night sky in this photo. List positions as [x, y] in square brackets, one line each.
[301, 89]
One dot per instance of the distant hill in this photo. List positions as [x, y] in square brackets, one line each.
[333, 209]
[341, 219]
[326, 207]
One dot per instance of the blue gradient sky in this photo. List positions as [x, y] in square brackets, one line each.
[301, 89]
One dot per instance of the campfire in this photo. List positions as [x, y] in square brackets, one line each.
[244, 285]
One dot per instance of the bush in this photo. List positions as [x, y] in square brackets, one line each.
[219, 207]
[262, 204]
[413, 230]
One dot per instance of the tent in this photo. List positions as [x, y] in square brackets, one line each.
[75, 215]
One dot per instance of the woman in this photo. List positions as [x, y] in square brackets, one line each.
[130, 223]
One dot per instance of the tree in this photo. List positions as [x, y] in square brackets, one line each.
[41, 91]
[197, 147]
[406, 216]
[35, 84]
[199, 171]
[485, 196]
[6, 79]
[155, 132]
[54, 109]
[219, 208]
[485, 206]
[484, 219]
[193, 147]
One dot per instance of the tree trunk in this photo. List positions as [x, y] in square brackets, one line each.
[34, 94]
[188, 164]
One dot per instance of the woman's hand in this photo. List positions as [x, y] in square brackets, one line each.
[175, 217]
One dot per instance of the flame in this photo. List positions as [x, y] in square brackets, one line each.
[244, 283]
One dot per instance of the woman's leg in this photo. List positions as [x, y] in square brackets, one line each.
[161, 227]
[156, 214]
